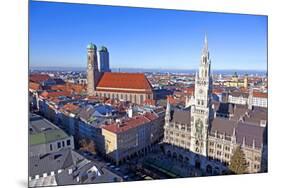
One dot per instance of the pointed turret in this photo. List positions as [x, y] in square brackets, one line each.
[206, 42]
[168, 112]
[244, 141]
[234, 135]
[254, 144]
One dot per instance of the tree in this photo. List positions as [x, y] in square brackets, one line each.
[87, 145]
[238, 163]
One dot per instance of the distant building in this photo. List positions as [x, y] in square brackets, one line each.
[259, 99]
[103, 60]
[45, 137]
[133, 87]
[238, 98]
[253, 98]
[42, 79]
[236, 82]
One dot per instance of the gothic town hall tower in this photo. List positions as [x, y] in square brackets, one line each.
[201, 111]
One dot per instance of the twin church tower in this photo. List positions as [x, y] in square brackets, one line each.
[125, 86]
[97, 63]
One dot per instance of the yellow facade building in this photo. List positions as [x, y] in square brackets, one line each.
[236, 82]
[132, 137]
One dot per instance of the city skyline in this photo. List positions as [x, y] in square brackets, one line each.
[133, 42]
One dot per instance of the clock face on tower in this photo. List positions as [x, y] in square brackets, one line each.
[89, 65]
[200, 91]
[199, 126]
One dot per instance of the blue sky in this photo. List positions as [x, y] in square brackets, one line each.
[144, 38]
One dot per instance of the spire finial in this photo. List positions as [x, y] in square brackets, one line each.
[206, 41]
[168, 110]
[234, 132]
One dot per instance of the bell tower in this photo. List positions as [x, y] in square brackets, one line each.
[201, 110]
[92, 69]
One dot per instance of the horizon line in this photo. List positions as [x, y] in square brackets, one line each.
[61, 67]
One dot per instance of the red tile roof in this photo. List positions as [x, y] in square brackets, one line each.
[130, 123]
[151, 116]
[47, 94]
[69, 87]
[171, 99]
[217, 90]
[189, 90]
[150, 102]
[34, 86]
[39, 77]
[259, 94]
[119, 81]
[70, 107]
[123, 91]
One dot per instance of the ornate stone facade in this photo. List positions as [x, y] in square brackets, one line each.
[198, 136]
[201, 110]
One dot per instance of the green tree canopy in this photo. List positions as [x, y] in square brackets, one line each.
[238, 163]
